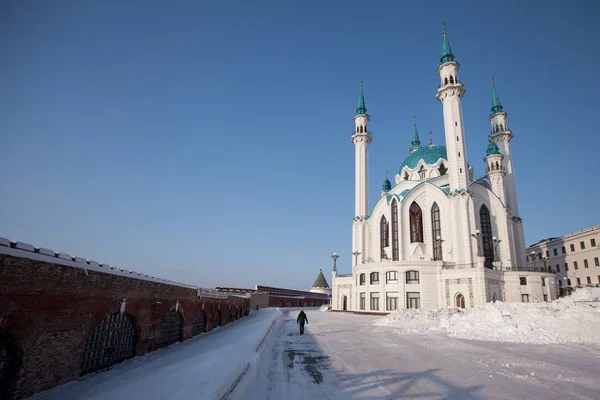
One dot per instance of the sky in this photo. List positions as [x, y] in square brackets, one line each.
[209, 142]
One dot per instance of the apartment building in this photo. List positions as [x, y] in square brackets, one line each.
[575, 258]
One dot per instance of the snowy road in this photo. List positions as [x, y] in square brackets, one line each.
[343, 356]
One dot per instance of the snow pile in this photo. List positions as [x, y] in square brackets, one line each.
[560, 321]
[586, 294]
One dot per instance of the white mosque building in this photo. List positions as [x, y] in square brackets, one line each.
[438, 238]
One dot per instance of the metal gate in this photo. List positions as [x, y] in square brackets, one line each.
[217, 319]
[171, 329]
[228, 317]
[7, 371]
[111, 342]
[200, 325]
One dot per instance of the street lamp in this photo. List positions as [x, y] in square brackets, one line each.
[437, 250]
[534, 263]
[567, 285]
[335, 257]
[496, 242]
[356, 254]
[477, 236]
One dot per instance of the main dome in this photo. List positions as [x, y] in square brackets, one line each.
[429, 154]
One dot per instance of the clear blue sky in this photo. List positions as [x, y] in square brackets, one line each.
[209, 142]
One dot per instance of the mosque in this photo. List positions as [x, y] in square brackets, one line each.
[437, 238]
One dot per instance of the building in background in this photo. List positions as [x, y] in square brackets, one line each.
[575, 258]
[438, 237]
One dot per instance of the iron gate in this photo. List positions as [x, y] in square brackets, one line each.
[217, 319]
[228, 317]
[200, 325]
[111, 342]
[171, 329]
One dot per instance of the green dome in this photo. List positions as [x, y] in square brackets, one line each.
[493, 149]
[387, 185]
[430, 154]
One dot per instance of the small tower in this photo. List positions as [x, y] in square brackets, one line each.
[495, 170]
[361, 139]
[416, 143]
[387, 185]
[450, 94]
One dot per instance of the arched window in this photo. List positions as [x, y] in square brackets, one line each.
[442, 169]
[10, 362]
[217, 318]
[451, 79]
[391, 276]
[362, 279]
[171, 329]
[200, 324]
[412, 277]
[395, 252]
[405, 175]
[422, 171]
[416, 223]
[497, 165]
[486, 235]
[374, 278]
[357, 129]
[436, 230]
[384, 236]
[445, 80]
[111, 342]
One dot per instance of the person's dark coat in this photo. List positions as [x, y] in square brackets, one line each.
[302, 319]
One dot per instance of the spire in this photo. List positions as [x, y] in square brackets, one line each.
[496, 105]
[415, 142]
[430, 139]
[361, 101]
[321, 282]
[447, 55]
[387, 185]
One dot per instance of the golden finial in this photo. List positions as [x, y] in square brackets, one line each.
[444, 28]
[415, 121]
[430, 139]
[493, 84]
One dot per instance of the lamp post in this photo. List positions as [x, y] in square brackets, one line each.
[477, 236]
[534, 263]
[496, 242]
[356, 254]
[335, 257]
[567, 285]
[437, 250]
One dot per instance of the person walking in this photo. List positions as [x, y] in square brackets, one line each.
[302, 319]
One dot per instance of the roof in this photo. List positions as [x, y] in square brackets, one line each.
[493, 149]
[430, 154]
[387, 185]
[320, 282]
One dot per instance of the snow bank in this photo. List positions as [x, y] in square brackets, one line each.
[560, 321]
[586, 294]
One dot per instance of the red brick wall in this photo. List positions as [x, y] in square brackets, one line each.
[49, 311]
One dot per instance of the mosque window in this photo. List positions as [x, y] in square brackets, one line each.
[384, 237]
[486, 235]
[442, 169]
[412, 276]
[416, 223]
[395, 252]
[405, 175]
[391, 276]
[361, 279]
[422, 171]
[451, 79]
[445, 80]
[436, 230]
[374, 278]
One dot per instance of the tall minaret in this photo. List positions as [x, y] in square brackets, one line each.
[495, 170]
[450, 93]
[361, 139]
[502, 136]
[416, 143]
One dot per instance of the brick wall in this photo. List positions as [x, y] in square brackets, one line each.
[48, 310]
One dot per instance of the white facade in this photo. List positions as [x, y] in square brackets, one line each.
[574, 257]
[437, 238]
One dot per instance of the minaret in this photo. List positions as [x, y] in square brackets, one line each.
[387, 185]
[416, 143]
[495, 170]
[450, 93]
[361, 140]
[502, 136]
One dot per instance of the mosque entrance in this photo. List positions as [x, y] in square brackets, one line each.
[460, 301]
[344, 303]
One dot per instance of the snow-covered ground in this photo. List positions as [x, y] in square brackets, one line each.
[347, 356]
[569, 320]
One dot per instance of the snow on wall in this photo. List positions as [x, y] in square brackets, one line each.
[25, 250]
